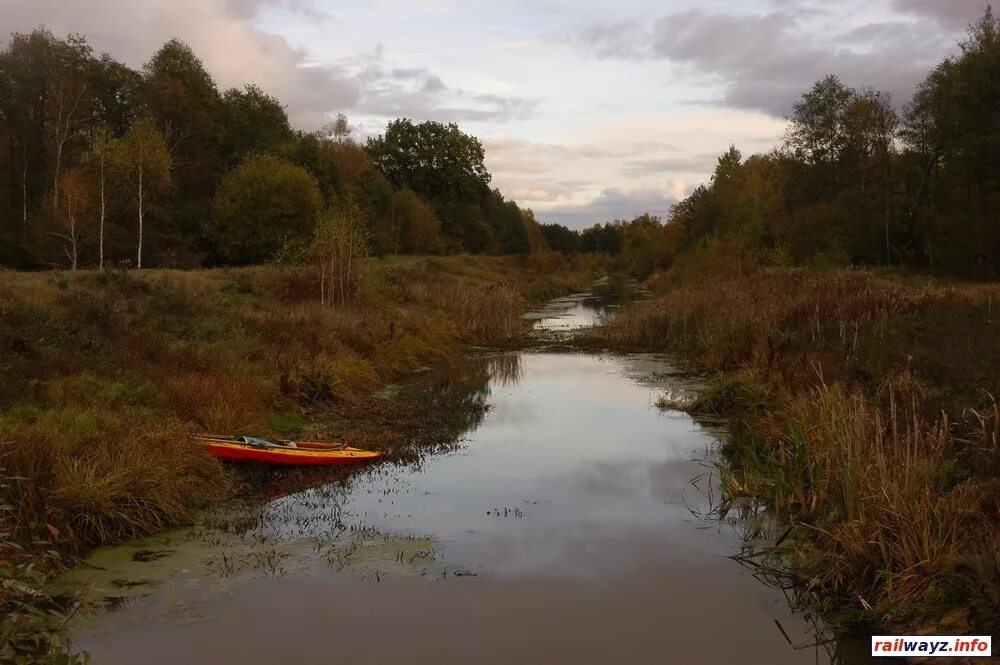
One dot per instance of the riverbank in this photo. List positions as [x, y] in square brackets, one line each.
[865, 420]
[563, 497]
[107, 376]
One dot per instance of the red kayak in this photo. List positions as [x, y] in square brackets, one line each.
[283, 452]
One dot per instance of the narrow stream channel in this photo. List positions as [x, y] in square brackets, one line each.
[565, 527]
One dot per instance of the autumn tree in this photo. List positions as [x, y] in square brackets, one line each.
[252, 122]
[143, 167]
[815, 131]
[184, 102]
[43, 108]
[264, 207]
[338, 247]
[953, 210]
[337, 130]
[414, 227]
[868, 160]
[68, 101]
[99, 166]
[183, 98]
[72, 216]
[844, 141]
[64, 109]
[559, 238]
[536, 239]
[430, 158]
[444, 166]
[726, 167]
[116, 94]
[601, 239]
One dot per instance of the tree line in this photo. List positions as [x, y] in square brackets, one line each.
[158, 167]
[854, 181]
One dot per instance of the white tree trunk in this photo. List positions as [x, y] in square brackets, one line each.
[138, 256]
[322, 282]
[74, 254]
[100, 230]
[350, 250]
[67, 104]
[396, 225]
[24, 194]
[70, 249]
[55, 183]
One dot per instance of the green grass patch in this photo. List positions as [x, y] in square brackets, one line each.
[286, 423]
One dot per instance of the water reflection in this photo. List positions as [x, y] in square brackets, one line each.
[562, 500]
[759, 551]
[562, 317]
[571, 494]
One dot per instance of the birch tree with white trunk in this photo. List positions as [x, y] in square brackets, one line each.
[100, 166]
[68, 104]
[143, 165]
[338, 249]
[73, 193]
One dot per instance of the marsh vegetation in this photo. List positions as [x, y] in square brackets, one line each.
[109, 374]
[866, 419]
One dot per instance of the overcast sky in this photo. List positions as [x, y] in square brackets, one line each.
[589, 110]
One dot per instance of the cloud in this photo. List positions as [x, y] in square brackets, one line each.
[249, 8]
[622, 39]
[545, 191]
[955, 14]
[615, 167]
[614, 203]
[236, 50]
[765, 61]
[702, 163]
[512, 155]
[221, 32]
[388, 92]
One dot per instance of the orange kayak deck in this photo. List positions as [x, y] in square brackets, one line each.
[241, 452]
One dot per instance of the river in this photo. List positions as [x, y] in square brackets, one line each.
[570, 523]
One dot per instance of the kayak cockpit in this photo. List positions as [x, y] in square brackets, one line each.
[265, 443]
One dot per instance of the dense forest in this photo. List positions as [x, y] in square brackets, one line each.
[99, 162]
[855, 181]
[158, 167]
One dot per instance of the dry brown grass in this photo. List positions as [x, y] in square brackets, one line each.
[219, 403]
[869, 417]
[106, 377]
[108, 374]
[753, 318]
[888, 520]
[486, 316]
[115, 481]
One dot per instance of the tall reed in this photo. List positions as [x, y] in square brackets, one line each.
[886, 521]
[866, 420]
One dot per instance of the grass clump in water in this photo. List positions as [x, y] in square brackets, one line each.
[728, 395]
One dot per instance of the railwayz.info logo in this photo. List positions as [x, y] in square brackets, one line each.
[928, 646]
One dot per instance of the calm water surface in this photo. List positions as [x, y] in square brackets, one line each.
[565, 528]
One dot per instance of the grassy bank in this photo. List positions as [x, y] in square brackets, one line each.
[866, 420]
[108, 375]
